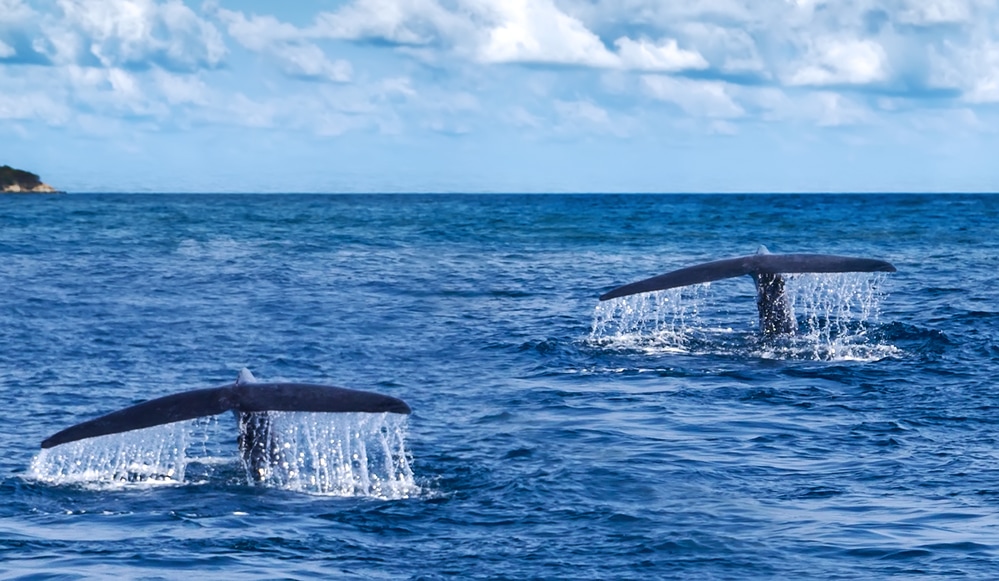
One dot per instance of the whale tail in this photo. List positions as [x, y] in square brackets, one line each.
[242, 396]
[766, 270]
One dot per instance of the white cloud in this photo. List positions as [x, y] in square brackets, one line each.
[947, 122]
[186, 33]
[665, 16]
[308, 60]
[326, 110]
[258, 33]
[60, 45]
[666, 56]
[252, 113]
[722, 127]
[973, 71]
[409, 22]
[520, 117]
[181, 89]
[536, 31]
[29, 105]
[133, 33]
[84, 78]
[13, 12]
[486, 31]
[584, 116]
[113, 91]
[61, 95]
[287, 45]
[397, 86]
[767, 103]
[584, 111]
[942, 71]
[732, 50]
[841, 62]
[334, 123]
[985, 91]
[696, 98]
[931, 12]
[500, 31]
[823, 108]
[984, 85]
[123, 84]
[428, 63]
[834, 109]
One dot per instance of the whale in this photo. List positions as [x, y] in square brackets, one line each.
[767, 271]
[248, 399]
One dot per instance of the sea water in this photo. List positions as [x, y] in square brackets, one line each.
[552, 435]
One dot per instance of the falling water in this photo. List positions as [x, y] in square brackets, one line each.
[153, 455]
[834, 315]
[339, 454]
[347, 454]
[662, 320]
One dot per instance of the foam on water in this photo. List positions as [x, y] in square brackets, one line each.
[349, 454]
[834, 313]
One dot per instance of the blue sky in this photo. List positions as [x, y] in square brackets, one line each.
[502, 95]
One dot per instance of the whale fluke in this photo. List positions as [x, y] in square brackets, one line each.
[172, 408]
[242, 397]
[750, 265]
[765, 268]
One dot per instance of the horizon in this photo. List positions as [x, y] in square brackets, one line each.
[489, 96]
[500, 193]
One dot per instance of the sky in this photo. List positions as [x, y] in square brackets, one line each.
[502, 95]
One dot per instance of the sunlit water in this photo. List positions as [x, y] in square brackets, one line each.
[552, 436]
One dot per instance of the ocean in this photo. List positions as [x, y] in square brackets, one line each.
[553, 436]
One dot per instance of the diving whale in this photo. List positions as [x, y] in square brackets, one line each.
[766, 269]
[249, 400]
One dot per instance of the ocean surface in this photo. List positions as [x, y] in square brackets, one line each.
[552, 436]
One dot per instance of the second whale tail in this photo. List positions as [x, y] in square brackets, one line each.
[766, 270]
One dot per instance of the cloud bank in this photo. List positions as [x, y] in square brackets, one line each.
[505, 71]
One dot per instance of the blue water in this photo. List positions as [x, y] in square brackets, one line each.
[552, 436]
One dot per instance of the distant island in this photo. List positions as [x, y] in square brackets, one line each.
[14, 181]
